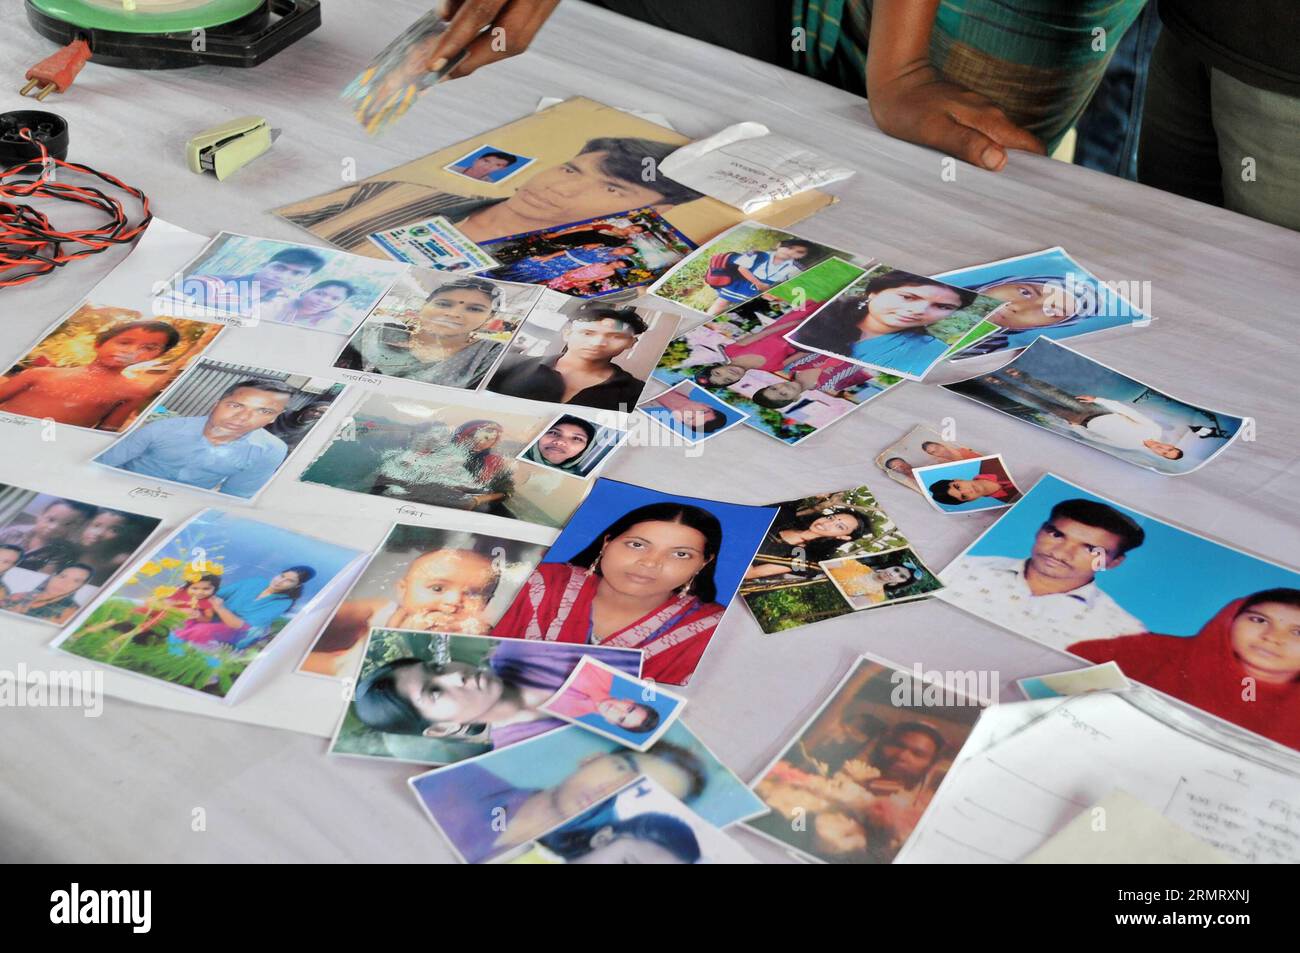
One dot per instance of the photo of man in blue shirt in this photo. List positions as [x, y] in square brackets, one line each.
[227, 451]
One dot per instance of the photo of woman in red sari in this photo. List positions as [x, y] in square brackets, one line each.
[646, 582]
[1242, 666]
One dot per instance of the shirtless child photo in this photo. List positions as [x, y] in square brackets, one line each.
[129, 364]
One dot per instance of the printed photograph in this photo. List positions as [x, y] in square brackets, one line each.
[489, 164]
[56, 553]
[574, 446]
[639, 568]
[920, 447]
[968, 486]
[604, 699]
[433, 698]
[398, 75]
[785, 587]
[643, 824]
[101, 366]
[437, 328]
[1048, 294]
[318, 289]
[584, 353]
[691, 412]
[225, 428]
[880, 578]
[854, 781]
[597, 257]
[1062, 391]
[456, 455]
[895, 321]
[1077, 571]
[208, 602]
[423, 579]
[740, 264]
[503, 799]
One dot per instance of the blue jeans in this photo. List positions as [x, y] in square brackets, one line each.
[1109, 128]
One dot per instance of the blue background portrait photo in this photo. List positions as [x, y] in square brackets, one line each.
[664, 416]
[460, 165]
[1174, 582]
[632, 690]
[962, 470]
[743, 527]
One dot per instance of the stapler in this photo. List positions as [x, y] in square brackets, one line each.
[225, 149]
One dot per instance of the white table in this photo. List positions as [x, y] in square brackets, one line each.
[122, 787]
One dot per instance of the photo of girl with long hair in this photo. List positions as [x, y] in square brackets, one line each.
[637, 568]
[894, 321]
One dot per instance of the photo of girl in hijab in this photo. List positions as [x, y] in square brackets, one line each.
[1048, 294]
[657, 577]
[417, 474]
[437, 329]
[433, 698]
[894, 321]
[1253, 640]
[573, 445]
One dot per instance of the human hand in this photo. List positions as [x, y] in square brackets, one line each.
[487, 31]
[920, 106]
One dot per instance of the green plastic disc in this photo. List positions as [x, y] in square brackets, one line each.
[146, 16]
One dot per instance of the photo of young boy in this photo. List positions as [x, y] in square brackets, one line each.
[966, 486]
[920, 447]
[597, 257]
[489, 164]
[691, 412]
[426, 580]
[55, 553]
[227, 444]
[100, 366]
[434, 698]
[739, 265]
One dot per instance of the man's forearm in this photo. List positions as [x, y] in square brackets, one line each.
[900, 38]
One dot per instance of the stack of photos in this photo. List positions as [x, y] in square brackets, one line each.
[584, 353]
[920, 447]
[56, 553]
[584, 160]
[439, 328]
[739, 265]
[828, 555]
[896, 322]
[1057, 388]
[252, 279]
[210, 601]
[495, 803]
[595, 257]
[639, 568]
[852, 784]
[423, 579]
[224, 428]
[642, 824]
[967, 486]
[457, 455]
[1048, 294]
[1076, 571]
[615, 704]
[742, 358]
[102, 365]
[433, 698]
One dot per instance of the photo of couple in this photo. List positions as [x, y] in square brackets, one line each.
[1081, 573]
[592, 258]
[743, 358]
[852, 784]
[786, 586]
[434, 698]
[463, 457]
[56, 553]
[1060, 390]
[208, 602]
[224, 428]
[437, 328]
[101, 366]
[319, 289]
[423, 579]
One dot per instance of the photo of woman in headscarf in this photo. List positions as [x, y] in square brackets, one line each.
[1253, 641]
[460, 469]
[441, 342]
[646, 581]
[564, 446]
